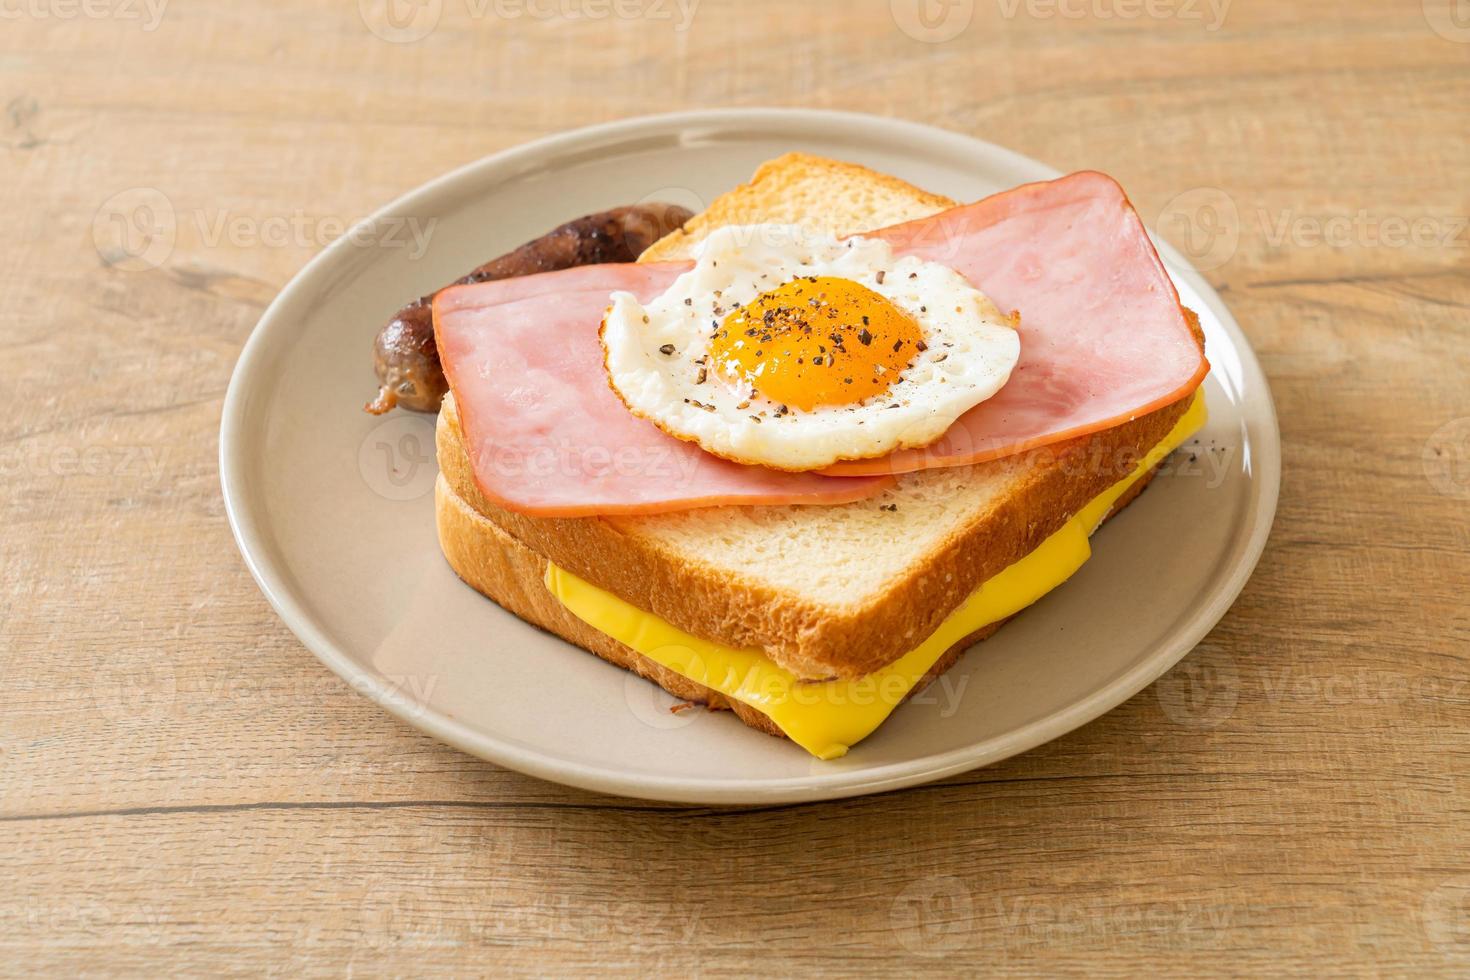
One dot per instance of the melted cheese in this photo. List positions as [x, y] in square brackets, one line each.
[828, 717]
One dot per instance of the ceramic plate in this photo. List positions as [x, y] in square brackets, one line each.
[333, 509]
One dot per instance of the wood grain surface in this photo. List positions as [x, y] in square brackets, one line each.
[183, 788]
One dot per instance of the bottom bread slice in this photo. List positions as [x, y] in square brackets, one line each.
[513, 575]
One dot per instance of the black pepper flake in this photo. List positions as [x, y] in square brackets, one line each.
[923, 347]
[700, 378]
[666, 349]
[923, 309]
[896, 345]
[865, 321]
[817, 361]
[881, 274]
[864, 337]
[941, 357]
[688, 301]
[913, 275]
[891, 508]
[756, 419]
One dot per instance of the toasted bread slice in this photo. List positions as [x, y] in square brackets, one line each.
[820, 195]
[837, 591]
[826, 592]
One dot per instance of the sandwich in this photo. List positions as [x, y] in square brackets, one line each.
[817, 441]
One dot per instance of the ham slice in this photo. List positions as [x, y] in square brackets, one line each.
[546, 436]
[1103, 340]
[1103, 337]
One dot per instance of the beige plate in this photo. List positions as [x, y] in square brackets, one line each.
[333, 508]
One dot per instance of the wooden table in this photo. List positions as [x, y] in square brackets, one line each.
[184, 788]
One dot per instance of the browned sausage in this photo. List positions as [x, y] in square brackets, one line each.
[404, 355]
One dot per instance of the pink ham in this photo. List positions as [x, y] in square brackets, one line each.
[640, 280]
[546, 435]
[1103, 338]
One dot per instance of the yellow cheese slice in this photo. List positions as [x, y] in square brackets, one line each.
[828, 717]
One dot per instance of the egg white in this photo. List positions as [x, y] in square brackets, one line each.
[657, 355]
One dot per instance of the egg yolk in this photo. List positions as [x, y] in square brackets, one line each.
[820, 340]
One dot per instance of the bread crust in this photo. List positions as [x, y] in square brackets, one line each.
[502, 568]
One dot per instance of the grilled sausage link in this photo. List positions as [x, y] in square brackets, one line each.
[404, 354]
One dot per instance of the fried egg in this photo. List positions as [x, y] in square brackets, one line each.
[794, 351]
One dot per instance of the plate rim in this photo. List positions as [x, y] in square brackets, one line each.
[274, 582]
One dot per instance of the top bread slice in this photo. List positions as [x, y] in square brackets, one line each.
[820, 195]
[825, 591]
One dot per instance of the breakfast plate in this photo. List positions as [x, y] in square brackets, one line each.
[333, 508]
